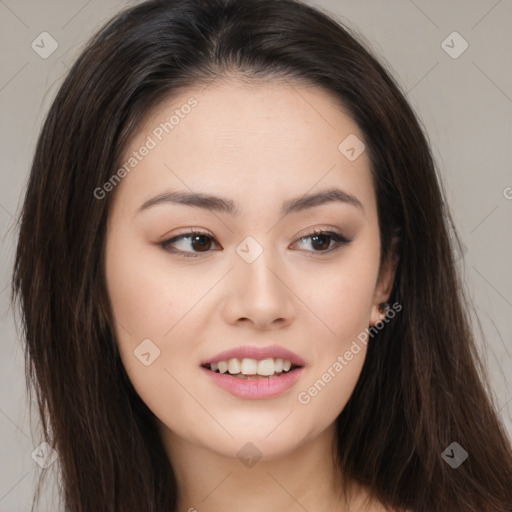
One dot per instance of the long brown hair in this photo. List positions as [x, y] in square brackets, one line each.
[422, 386]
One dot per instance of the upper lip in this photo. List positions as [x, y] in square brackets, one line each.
[250, 351]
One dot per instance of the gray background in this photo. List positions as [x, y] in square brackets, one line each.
[465, 104]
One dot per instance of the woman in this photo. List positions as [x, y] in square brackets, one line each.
[236, 277]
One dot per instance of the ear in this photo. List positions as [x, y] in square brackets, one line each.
[385, 282]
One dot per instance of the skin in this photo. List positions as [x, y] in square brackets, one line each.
[259, 145]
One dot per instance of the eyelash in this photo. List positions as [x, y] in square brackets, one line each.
[338, 239]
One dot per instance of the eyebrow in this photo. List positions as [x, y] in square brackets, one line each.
[223, 205]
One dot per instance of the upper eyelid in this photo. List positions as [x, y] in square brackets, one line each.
[315, 232]
[308, 234]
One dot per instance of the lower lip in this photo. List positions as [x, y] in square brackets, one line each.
[255, 389]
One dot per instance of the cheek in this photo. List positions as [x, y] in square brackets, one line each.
[341, 297]
[150, 305]
[142, 296]
[329, 387]
[339, 359]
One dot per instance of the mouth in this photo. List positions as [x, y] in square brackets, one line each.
[253, 369]
[253, 373]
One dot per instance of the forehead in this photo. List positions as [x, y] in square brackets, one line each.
[230, 138]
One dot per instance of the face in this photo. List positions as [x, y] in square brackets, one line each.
[262, 269]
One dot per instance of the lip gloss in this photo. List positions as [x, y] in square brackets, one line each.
[255, 389]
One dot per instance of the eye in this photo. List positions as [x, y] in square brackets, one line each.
[323, 239]
[201, 242]
[195, 239]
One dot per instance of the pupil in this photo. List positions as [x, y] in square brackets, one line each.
[204, 238]
[316, 237]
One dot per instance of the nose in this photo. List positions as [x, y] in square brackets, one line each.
[257, 293]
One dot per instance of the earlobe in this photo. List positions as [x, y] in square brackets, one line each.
[379, 312]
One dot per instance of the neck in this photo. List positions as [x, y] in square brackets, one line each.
[304, 479]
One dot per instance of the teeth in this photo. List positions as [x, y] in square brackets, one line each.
[234, 366]
[266, 367]
[248, 366]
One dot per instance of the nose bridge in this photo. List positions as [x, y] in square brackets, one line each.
[256, 269]
[257, 290]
